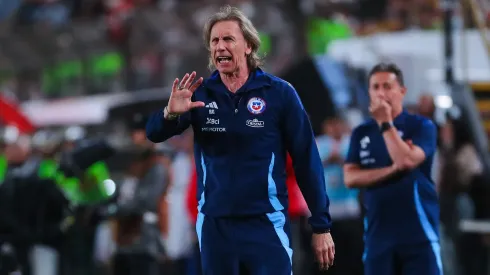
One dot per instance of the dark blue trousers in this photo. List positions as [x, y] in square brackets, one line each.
[258, 245]
[411, 259]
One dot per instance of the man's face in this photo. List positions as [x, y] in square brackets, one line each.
[334, 128]
[68, 146]
[228, 47]
[138, 137]
[15, 153]
[426, 105]
[447, 136]
[385, 86]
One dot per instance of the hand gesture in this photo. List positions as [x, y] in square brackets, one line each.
[324, 249]
[333, 158]
[380, 110]
[180, 99]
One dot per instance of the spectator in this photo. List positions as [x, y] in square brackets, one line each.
[344, 205]
[426, 106]
[139, 242]
[461, 169]
[137, 128]
[179, 237]
[191, 201]
[298, 212]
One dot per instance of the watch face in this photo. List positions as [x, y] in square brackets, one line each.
[385, 126]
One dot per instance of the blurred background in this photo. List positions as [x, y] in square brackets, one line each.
[83, 192]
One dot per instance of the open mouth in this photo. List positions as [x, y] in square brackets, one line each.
[223, 59]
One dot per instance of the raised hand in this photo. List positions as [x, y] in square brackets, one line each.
[380, 110]
[180, 99]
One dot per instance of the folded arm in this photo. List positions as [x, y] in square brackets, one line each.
[355, 177]
[409, 155]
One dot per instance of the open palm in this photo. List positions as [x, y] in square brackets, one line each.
[180, 99]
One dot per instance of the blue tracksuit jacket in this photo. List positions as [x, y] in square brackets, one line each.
[240, 144]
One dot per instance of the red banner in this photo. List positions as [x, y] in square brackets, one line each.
[10, 114]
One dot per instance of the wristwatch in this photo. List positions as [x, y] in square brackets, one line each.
[169, 115]
[322, 231]
[385, 126]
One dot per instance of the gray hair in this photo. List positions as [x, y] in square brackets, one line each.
[250, 33]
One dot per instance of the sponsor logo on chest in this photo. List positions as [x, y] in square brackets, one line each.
[255, 123]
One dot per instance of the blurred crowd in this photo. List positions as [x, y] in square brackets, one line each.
[62, 48]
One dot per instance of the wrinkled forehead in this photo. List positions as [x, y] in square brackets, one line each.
[381, 78]
[225, 28]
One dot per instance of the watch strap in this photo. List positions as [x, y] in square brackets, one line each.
[385, 126]
[169, 116]
[321, 231]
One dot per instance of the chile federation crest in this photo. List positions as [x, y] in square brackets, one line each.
[256, 105]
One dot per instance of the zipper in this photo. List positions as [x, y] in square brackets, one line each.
[236, 106]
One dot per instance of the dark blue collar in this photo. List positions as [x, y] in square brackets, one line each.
[400, 119]
[256, 80]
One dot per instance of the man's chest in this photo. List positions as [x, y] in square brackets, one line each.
[243, 117]
[373, 152]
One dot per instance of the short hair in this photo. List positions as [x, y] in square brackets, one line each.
[333, 118]
[388, 68]
[250, 33]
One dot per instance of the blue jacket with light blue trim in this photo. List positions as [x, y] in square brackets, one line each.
[404, 208]
[240, 145]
